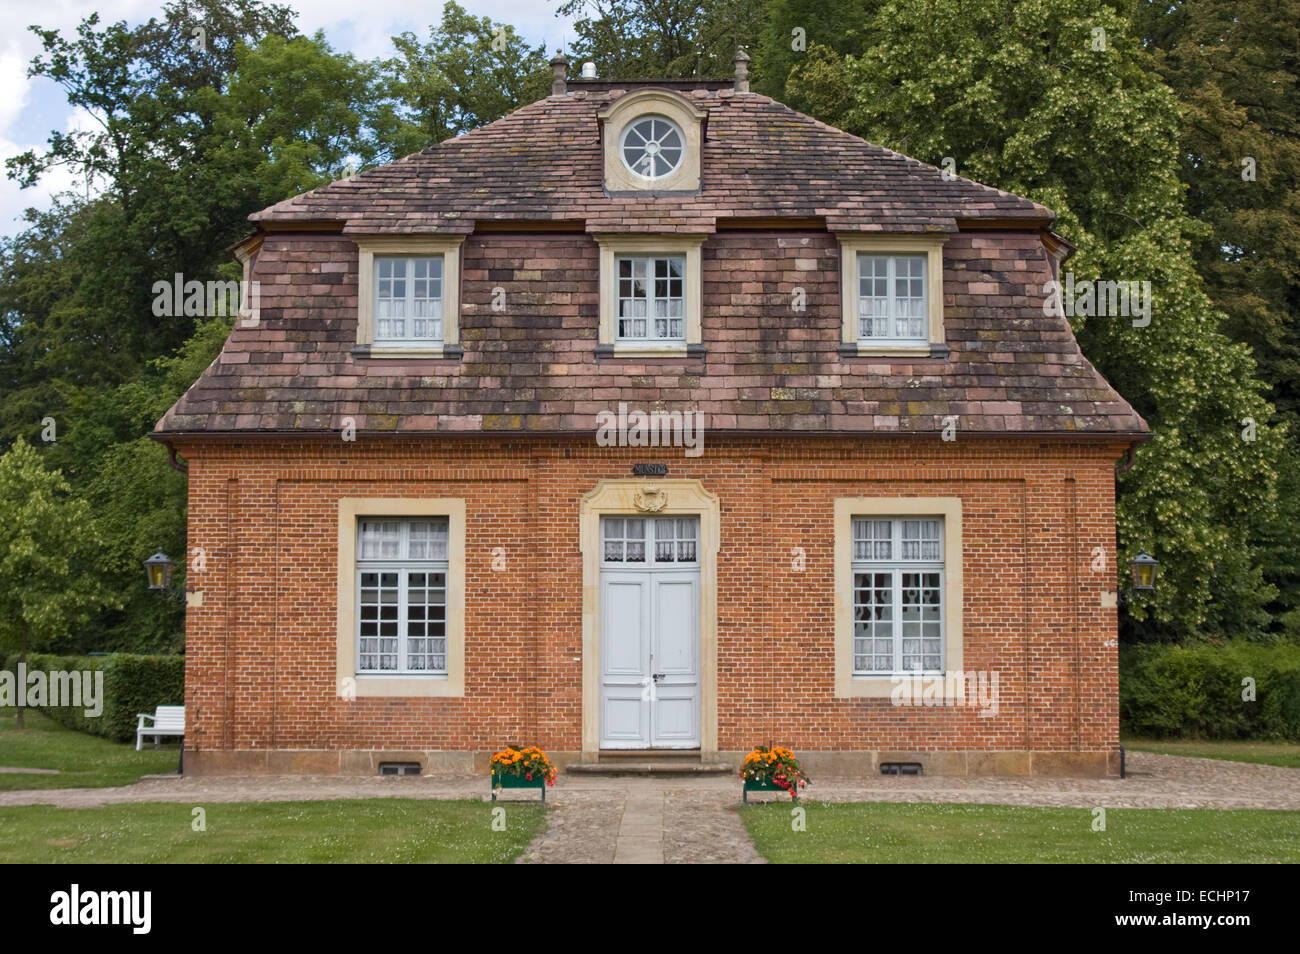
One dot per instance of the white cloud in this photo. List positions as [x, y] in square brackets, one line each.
[14, 88]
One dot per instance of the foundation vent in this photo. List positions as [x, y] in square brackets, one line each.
[900, 768]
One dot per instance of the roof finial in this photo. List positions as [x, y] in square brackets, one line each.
[741, 61]
[559, 67]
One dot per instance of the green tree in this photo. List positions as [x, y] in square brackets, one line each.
[813, 37]
[1235, 67]
[48, 550]
[189, 141]
[663, 38]
[1056, 100]
[469, 73]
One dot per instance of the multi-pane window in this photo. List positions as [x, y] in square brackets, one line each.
[649, 541]
[402, 595]
[897, 595]
[652, 147]
[408, 299]
[651, 297]
[892, 302]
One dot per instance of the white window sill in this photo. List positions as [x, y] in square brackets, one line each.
[410, 686]
[881, 349]
[629, 349]
[401, 675]
[385, 350]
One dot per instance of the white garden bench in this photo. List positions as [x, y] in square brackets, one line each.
[167, 720]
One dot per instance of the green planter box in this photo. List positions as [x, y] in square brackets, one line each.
[517, 781]
[762, 785]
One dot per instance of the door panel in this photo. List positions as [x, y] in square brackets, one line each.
[649, 626]
[674, 647]
[624, 654]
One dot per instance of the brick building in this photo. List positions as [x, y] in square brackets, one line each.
[652, 416]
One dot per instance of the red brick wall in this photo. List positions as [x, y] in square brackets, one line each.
[261, 648]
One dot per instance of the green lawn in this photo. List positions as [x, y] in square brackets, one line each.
[867, 832]
[1286, 754]
[83, 761]
[360, 830]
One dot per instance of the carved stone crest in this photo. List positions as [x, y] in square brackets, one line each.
[650, 499]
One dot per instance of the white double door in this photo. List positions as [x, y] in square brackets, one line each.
[649, 634]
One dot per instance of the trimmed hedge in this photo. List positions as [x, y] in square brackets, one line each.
[132, 684]
[1195, 692]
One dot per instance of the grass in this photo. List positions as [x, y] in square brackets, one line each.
[1285, 754]
[867, 832]
[358, 830]
[83, 761]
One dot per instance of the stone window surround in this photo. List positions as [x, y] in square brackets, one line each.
[932, 247]
[847, 685]
[627, 109]
[649, 497]
[447, 246]
[613, 245]
[369, 685]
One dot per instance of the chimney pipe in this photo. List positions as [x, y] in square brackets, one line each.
[559, 66]
[741, 61]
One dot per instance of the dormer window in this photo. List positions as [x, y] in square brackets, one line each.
[652, 298]
[408, 296]
[408, 300]
[652, 147]
[892, 295]
[892, 299]
[650, 295]
[652, 143]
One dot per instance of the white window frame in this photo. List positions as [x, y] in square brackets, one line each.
[650, 541]
[896, 565]
[403, 565]
[447, 247]
[350, 682]
[631, 127]
[891, 300]
[650, 262]
[853, 247]
[616, 246]
[627, 111]
[848, 684]
[409, 264]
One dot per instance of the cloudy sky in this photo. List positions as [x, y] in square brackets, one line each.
[30, 109]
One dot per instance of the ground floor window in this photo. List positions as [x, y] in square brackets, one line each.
[898, 591]
[897, 595]
[402, 596]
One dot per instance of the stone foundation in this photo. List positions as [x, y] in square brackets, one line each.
[837, 764]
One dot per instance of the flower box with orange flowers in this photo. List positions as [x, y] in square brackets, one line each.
[516, 767]
[772, 769]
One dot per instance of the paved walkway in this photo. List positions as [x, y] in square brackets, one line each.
[653, 820]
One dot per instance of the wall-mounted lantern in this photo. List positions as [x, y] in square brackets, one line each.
[1145, 567]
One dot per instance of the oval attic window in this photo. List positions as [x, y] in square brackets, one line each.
[652, 146]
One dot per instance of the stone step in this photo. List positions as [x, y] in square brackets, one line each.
[647, 755]
[623, 766]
